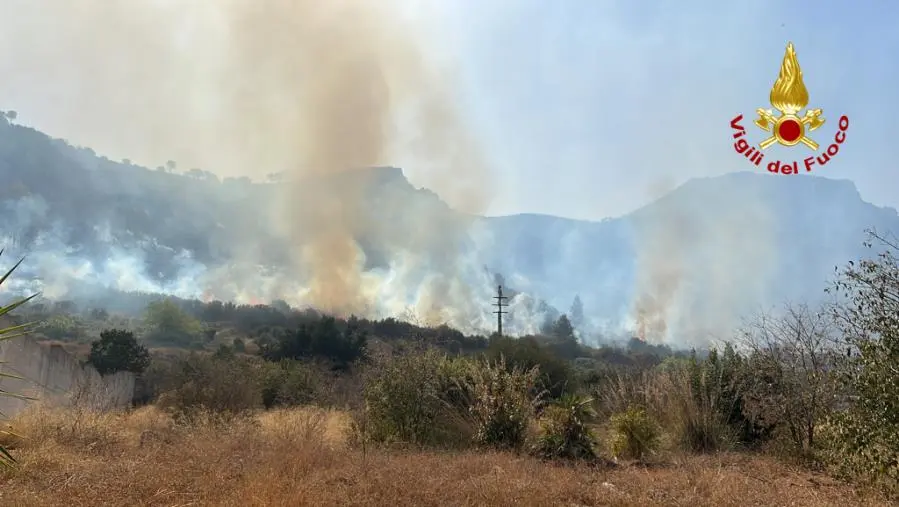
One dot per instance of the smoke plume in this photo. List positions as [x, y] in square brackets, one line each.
[698, 272]
[303, 88]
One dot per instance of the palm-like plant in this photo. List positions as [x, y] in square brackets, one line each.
[6, 460]
[565, 430]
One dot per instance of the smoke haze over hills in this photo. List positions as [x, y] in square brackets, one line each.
[683, 269]
[300, 88]
[309, 96]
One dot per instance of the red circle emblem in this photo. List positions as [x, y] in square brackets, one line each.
[790, 130]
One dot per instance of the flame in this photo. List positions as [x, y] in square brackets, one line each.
[789, 93]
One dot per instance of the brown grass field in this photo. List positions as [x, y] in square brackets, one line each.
[301, 457]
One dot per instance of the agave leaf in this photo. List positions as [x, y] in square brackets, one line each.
[6, 309]
[3, 279]
[10, 375]
[6, 459]
[12, 434]
[15, 395]
[22, 329]
[10, 337]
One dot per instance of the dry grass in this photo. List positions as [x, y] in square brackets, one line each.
[299, 457]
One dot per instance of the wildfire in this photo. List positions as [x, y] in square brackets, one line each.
[641, 331]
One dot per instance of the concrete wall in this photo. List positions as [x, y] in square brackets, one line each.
[56, 378]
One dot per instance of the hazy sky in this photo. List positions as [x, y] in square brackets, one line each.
[588, 108]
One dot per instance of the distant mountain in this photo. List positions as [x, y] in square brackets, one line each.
[709, 252]
[687, 265]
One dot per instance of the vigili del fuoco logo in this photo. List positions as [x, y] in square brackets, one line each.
[789, 96]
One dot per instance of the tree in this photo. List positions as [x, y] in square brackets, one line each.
[12, 115]
[563, 328]
[168, 323]
[224, 352]
[99, 314]
[563, 343]
[792, 357]
[577, 312]
[118, 350]
[556, 375]
[196, 173]
[280, 305]
[323, 339]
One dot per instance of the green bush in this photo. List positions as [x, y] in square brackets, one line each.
[118, 350]
[704, 402]
[168, 325]
[565, 431]
[864, 432]
[415, 399]
[63, 327]
[556, 374]
[429, 399]
[633, 434]
[502, 403]
[869, 455]
[325, 338]
[204, 384]
[288, 383]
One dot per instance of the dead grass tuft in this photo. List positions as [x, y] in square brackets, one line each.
[300, 457]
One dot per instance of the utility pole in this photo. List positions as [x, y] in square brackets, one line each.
[500, 304]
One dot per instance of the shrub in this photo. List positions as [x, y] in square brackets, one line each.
[564, 430]
[790, 385]
[415, 399]
[289, 383]
[633, 434]
[63, 327]
[118, 350]
[502, 402]
[870, 455]
[168, 324]
[206, 384]
[153, 381]
[697, 421]
[698, 401]
[703, 402]
[323, 338]
[865, 434]
[556, 375]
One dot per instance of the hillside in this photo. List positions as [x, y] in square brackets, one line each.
[713, 248]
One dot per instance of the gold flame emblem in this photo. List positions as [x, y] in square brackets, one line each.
[789, 96]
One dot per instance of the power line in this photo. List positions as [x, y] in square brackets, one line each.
[500, 304]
